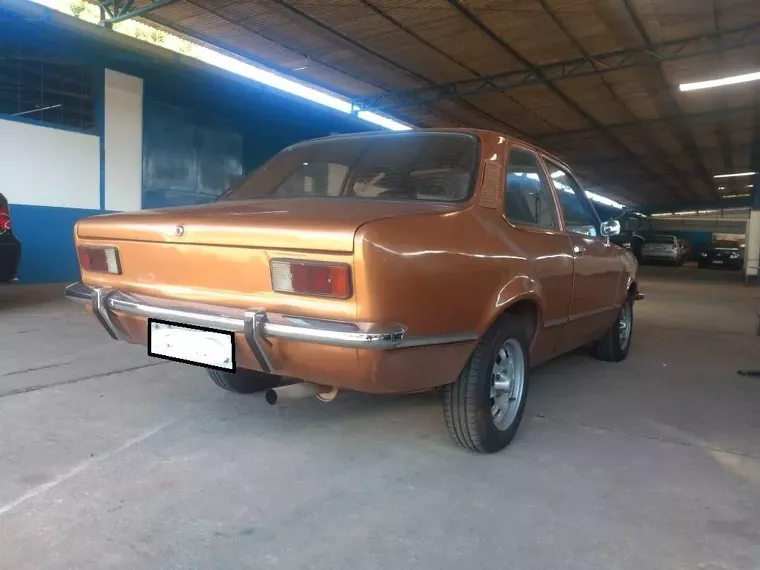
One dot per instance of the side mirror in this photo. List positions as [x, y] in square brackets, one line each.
[611, 228]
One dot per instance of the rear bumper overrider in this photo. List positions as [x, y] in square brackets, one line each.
[257, 325]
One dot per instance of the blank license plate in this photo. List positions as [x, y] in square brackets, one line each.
[191, 345]
[718, 261]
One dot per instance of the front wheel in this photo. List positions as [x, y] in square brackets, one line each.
[483, 408]
[616, 342]
[243, 381]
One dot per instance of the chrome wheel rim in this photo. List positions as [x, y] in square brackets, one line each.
[625, 325]
[507, 384]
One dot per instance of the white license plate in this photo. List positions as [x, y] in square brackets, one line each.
[718, 261]
[191, 345]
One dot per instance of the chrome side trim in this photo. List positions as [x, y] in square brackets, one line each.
[422, 341]
[640, 296]
[258, 326]
[578, 316]
[354, 335]
[555, 322]
[587, 314]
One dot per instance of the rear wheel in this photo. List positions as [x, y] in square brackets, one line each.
[483, 408]
[615, 344]
[243, 381]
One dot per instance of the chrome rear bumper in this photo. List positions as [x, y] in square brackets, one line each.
[257, 325]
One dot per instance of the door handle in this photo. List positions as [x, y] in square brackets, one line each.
[579, 249]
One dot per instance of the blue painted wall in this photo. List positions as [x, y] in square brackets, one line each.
[202, 128]
[46, 236]
[200, 137]
[188, 157]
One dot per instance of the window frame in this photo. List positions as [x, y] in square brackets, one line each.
[543, 179]
[550, 161]
[473, 184]
[69, 79]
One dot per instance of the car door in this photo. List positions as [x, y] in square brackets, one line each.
[530, 208]
[597, 265]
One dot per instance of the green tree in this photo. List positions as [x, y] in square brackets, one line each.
[76, 8]
[157, 37]
[185, 47]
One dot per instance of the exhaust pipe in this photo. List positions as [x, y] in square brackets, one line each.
[298, 391]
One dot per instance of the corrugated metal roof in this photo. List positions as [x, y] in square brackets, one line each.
[629, 130]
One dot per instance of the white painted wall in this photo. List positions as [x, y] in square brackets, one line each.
[123, 141]
[43, 166]
[752, 251]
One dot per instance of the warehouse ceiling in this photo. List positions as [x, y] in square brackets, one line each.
[593, 81]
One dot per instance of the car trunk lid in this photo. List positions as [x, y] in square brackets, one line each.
[300, 224]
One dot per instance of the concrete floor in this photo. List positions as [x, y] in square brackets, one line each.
[110, 459]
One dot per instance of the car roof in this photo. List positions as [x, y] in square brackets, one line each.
[480, 133]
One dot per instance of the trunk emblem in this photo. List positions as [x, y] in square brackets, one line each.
[179, 231]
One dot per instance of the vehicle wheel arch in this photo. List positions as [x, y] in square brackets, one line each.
[526, 308]
[633, 288]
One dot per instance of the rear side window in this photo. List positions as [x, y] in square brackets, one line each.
[527, 198]
[670, 240]
[397, 166]
[579, 215]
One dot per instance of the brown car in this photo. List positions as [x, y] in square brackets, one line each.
[385, 263]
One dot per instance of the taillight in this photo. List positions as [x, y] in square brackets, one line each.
[99, 259]
[311, 278]
[5, 218]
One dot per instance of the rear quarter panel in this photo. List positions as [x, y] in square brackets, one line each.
[629, 275]
[440, 273]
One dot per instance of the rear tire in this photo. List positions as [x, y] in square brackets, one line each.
[483, 408]
[243, 381]
[616, 342]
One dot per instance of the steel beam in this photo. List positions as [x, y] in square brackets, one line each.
[115, 11]
[645, 56]
[723, 204]
[635, 126]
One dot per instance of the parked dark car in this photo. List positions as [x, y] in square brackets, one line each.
[10, 247]
[686, 249]
[631, 241]
[722, 253]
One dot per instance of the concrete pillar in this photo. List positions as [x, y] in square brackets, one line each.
[752, 247]
[122, 142]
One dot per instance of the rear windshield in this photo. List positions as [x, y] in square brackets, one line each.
[661, 239]
[400, 166]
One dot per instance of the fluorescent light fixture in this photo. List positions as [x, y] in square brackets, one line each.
[720, 82]
[602, 200]
[736, 196]
[382, 121]
[261, 75]
[269, 78]
[735, 175]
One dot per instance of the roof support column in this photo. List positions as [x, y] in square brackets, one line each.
[752, 241]
[115, 11]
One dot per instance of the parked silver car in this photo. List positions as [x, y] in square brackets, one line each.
[664, 248]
